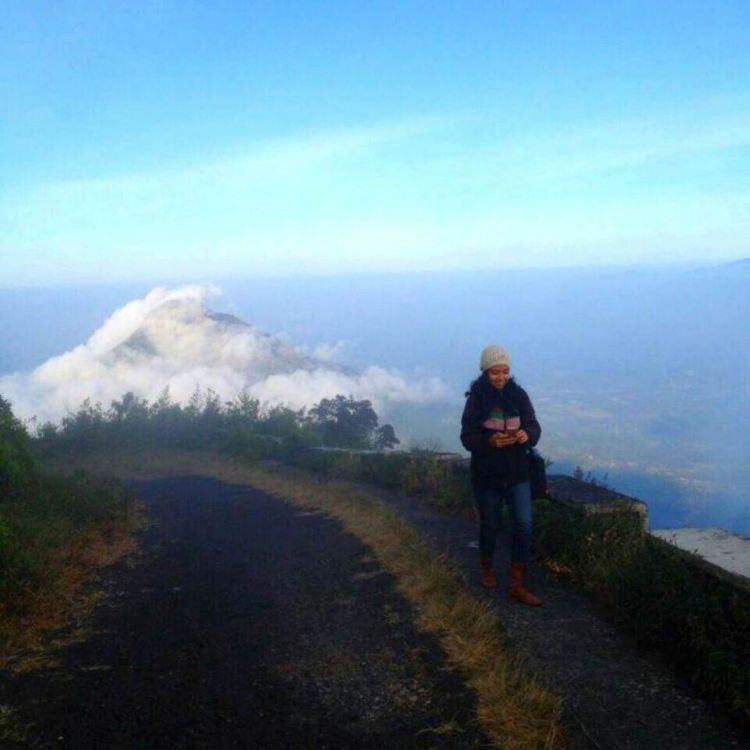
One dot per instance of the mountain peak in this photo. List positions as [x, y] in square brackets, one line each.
[184, 331]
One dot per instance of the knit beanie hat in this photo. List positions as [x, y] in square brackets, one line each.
[492, 356]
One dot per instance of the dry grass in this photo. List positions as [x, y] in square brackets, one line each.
[515, 711]
[65, 598]
[69, 599]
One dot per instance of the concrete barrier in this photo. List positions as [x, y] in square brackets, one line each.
[593, 498]
[722, 554]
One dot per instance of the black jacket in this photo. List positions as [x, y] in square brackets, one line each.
[497, 467]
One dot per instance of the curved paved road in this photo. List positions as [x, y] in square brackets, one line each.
[248, 624]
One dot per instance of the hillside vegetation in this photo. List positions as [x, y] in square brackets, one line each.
[53, 532]
[204, 422]
[245, 428]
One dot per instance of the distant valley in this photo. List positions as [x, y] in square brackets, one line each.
[639, 375]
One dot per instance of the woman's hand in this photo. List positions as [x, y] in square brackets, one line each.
[503, 440]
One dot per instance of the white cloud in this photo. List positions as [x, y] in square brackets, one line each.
[416, 194]
[254, 167]
[383, 387]
[169, 338]
[330, 352]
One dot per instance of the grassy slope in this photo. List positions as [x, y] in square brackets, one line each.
[53, 538]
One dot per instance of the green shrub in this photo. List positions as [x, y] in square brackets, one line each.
[11, 558]
[16, 460]
[345, 466]
[654, 591]
[386, 469]
[410, 478]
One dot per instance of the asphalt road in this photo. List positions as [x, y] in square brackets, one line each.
[246, 623]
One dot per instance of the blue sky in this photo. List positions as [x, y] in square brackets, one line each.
[179, 140]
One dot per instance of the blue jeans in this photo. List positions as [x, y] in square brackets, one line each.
[490, 505]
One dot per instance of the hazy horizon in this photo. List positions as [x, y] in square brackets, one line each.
[624, 367]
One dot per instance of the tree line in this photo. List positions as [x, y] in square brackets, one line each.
[205, 420]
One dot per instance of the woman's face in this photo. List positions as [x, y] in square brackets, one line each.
[498, 376]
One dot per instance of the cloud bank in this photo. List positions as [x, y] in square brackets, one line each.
[170, 338]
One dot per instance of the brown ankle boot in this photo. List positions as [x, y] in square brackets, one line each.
[488, 578]
[517, 591]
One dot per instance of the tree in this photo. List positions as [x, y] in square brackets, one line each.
[166, 420]
[195, 404]
[281, 421]
[244, 408]
[385, 437]
[343, 422]
[130, 408]
[163, 403]
[211, 417]
[88, 425]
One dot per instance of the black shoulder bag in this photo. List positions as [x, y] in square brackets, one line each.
[537, 473]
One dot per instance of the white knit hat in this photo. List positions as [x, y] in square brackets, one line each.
[492, 356]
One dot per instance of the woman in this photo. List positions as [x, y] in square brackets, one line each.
[497, 427]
